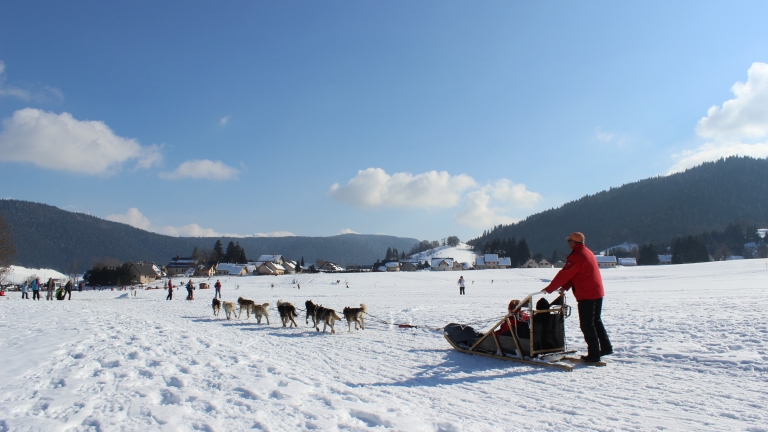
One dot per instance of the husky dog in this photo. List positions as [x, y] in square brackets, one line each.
[261, 310]
[229, 308]
[310, 312]
[245, 304]
[357, 315]
[327, 316]
[216, 306]
[287, 312]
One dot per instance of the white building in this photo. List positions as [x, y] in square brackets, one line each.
[231, 269]
[606, 261]
[505, 263]
[531, 263]
[627, 261]
[442, 264]
[665, 259]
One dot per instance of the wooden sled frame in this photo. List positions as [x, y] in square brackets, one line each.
[526, 304]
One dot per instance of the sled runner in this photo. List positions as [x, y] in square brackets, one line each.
[537, 336]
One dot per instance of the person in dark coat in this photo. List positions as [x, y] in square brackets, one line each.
[49, 289]
[68, 289]
[218, 289]
[190, 287]
[170, 290]
[582, 274]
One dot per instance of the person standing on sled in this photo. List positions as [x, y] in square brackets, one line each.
[583, 275]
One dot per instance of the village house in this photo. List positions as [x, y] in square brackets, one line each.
[442, 264]
[558, 264]
[467, 266]
[544, 264]
[408, 266]
[505, 263]
[631, 261]
[605, 261]
[143, 272]
[181, 266]
[665, 259]
[270, 268]
[330, 267]
[231, 269]
[205, 270]
[392, 266]
[290, 267]
[457, 266]
[531, 263]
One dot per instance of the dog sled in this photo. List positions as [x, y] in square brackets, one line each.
[536, 335]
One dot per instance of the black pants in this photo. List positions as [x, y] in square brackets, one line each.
[69, 293]
[592, 327]
[218, 293]
[25, 295]
[36, 295]
[461, 290]
[170, 295]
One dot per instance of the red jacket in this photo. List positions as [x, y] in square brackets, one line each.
[580, 273]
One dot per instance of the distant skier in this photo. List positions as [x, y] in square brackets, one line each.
[347, 284]
[581, 273]
[36, 289]
[461, 285]
[170, 290]
[218, 289]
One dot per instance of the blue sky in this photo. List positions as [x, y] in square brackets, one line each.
[419, 119]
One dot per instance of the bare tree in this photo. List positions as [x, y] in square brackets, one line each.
[7, 248]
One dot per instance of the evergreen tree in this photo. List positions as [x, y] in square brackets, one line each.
[689, 250]
[402, 255]
[648, 255]
[388, 255]
[522, 253]
[302, 260]
[195, 254]
[218, 252]
[229, 256]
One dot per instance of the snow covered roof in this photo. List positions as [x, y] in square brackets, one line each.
[382, 268]
[436, 262]
[480, 261]
[271, 258]
[627, 261]
[605, 259]
[505, 261]
[491, 258]
[230, 268]
[392, 264]
[467, 266]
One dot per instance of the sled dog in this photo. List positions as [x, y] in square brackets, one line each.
[327, 316]
[229, 308]
[287, 312]
[259, 311]
[245, 304]
[310, 312]
[355, 314]
[216, 306]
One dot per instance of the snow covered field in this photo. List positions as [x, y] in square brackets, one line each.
[691, 347]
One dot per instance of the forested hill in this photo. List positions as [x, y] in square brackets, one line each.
[47, 236]
[658, 209]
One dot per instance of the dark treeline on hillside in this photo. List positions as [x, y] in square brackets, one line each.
[48, 237]
[714, 244]
[658, 209]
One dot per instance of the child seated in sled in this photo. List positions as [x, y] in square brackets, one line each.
[518, 320]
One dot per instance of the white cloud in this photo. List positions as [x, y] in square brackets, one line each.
[202, 169]
[275, 234]
[224, 120]
[347, 231]
[604, 136]
[61, 142]
[514, 194]
[42, 94]
[745, 116]
[374, 188]
[714, 151]
[134, 218]
[478, 213]
[734, 127]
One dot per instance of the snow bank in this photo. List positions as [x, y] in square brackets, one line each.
[461, 253]
[18, 275]
[691, 346]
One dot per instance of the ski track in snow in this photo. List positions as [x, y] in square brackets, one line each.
[690, 354]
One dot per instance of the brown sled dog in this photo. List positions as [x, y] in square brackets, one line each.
[355, 314]
[327, 316]
[261, 310]
[229, 309]
[287, 312]
[310, 312]
[246, 304]
[216, 305]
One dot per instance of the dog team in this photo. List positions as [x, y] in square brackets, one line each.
[287, 311]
